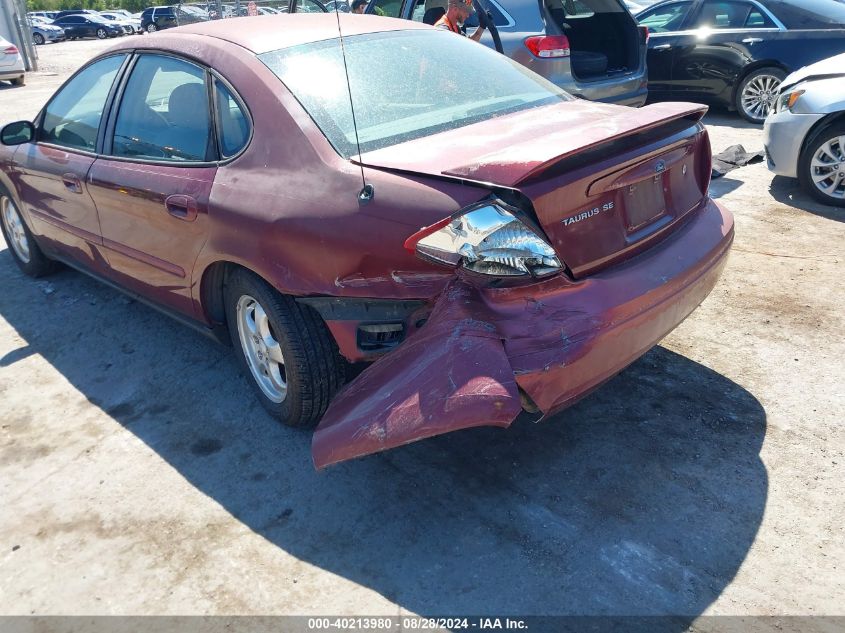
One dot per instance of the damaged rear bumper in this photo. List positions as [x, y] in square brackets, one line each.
[553, 341]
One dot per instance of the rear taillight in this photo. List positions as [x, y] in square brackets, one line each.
[644, 33]
[486, 239]
[11, 50]
[548, 46]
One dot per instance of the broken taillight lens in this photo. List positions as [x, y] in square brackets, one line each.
[486, 239]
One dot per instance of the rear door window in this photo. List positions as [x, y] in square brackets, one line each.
[666, 18]
[164, 112]
[723, 15]
[72, 118]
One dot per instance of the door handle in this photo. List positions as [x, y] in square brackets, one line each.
[752, 40]
[662, 47]
[182, 207]
[72, 183]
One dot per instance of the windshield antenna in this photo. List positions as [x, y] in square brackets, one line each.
[367, 191]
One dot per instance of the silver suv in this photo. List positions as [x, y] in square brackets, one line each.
[592, 48]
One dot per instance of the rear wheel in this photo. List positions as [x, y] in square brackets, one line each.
[18, 81]
[25, 251]
[821, 167]
[292, 361]
[101, 33]
[757, 93]
[38, 39]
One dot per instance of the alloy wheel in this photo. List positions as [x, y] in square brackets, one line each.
[151, 28]
[39, 39]
[759, 96]
[101, 33]
[827, 168]
[261, 349]
[15, 229]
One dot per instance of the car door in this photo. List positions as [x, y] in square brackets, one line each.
[51, 173]
[72, 25]
[721, 41]
[152, 185]
[666, 24]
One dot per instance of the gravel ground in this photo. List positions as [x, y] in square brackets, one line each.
[138, 476]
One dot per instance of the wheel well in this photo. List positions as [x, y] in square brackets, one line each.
[211, 290]
[754, 66]
[830, 119]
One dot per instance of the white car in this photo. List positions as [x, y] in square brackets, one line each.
[804, 134]
[125, 21]
[11, 63]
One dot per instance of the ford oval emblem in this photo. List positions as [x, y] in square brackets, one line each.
[660, 167]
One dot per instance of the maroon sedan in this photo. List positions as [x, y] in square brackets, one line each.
[410, 198]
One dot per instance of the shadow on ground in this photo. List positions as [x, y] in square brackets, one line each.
[642, 499]
[789, 192]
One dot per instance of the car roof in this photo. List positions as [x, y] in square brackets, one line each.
[271, 32]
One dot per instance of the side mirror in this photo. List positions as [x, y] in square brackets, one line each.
[17, 133]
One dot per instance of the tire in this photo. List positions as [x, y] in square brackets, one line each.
[38, 39]
[757, 93]
[151, 27]
[101, 34]
[18, 81]
[312, 368]
[825, 184]
[30, 259]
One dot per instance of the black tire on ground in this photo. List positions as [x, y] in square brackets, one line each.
[829, 134]
[39, 265]
[101, 34]
[151, 27]
[588, 63]
[38, 38]
[770, 77]
[18, 81]
[314, 369]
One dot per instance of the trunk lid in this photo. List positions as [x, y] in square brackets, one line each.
[605, 181]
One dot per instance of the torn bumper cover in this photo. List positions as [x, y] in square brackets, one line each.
[555, 340]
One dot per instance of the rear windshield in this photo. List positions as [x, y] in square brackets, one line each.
[809, 14]
[405, 85]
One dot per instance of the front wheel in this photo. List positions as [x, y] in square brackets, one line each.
[821, 167]
[757, 93]
[25, 251]
[18, 81]
[101, 34]
[38, 39]
[151, 28]
[288, 352]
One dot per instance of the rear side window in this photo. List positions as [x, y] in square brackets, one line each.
[499, 16]
[666, 18]
[232, 124]
[164, 112]
[386, 8]
[73, 117]
[723, 15]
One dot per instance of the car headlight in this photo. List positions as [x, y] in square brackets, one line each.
[486, 239]
[788, 100]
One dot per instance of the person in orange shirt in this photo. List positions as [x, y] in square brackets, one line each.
[455, 16]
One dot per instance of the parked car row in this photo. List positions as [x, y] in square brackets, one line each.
[80, 23]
